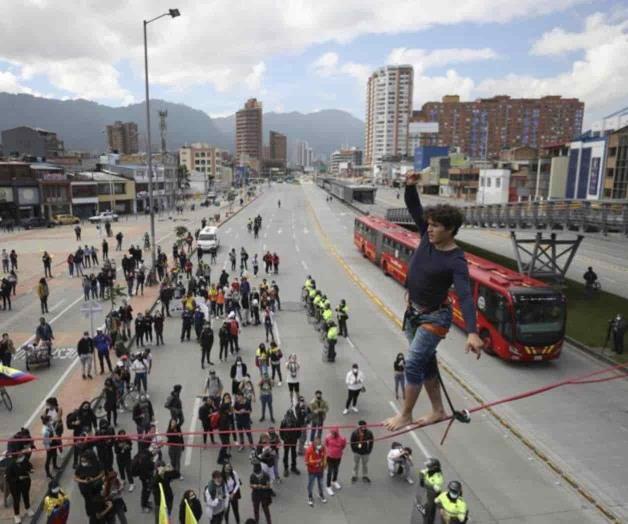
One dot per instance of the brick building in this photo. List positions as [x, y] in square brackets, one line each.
[484, 127]
[249, 132]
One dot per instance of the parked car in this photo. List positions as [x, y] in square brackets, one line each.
[32, 222]
[104, 216]
[61, 220]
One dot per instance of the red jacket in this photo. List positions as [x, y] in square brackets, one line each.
[315, 460]
[335, 444]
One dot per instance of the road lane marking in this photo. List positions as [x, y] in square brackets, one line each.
[297, 248]
[188, 449]
[58, 304]
[350, 343]
[304, 265]
[412, 433]
[528, 443]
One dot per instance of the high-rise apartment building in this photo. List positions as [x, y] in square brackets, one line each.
[304, 154]
[249, 131]
[123, 137]
[388, 110]
[278, 147]
[484, 127]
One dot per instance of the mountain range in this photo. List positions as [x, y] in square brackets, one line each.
[81, 124]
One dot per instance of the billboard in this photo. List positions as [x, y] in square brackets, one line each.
[594, 176]
[423, 155]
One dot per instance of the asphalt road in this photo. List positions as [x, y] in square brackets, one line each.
[581, 429]
[607, 256]
[503, 481]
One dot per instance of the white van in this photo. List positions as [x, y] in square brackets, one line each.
[208, 239]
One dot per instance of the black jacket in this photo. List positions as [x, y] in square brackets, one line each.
[207, 338]
[234, 368]
[364, 446]
[195, 506]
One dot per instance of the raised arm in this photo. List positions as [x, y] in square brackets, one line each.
[413, 203]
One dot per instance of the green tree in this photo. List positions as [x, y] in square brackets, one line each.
[183, 178]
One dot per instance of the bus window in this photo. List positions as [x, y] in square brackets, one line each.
[495, 308]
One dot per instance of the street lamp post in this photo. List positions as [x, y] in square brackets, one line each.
[172, 13]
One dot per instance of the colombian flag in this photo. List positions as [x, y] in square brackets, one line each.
[13, 377]
[189, 516]
[60, 514]
[163, 510]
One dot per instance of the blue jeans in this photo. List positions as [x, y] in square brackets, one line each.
[318, 477]
[421, 363]
[141, 380]
[267, 400]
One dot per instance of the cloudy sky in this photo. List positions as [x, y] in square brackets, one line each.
[306, 55]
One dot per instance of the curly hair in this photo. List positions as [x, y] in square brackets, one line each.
[449, 216]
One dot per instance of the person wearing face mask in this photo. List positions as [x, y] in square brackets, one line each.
[355, 385]
[143, 414]
[316, 461]
[123, 447]
[85, 351]
[335, 444]
[112, 492]
[318, 409]
[104, 446]
[232, 484]
[293, 376]
[190, 500]
[89, 476]
[206, 340]
[242, 413]
[164, 475]
[260, 492]
[226, 428]
[56, 504]
[238, 372]
[452, 507]
[362, 446]
[216, 498]
[304, 415]
[399, 368]
[18, 478]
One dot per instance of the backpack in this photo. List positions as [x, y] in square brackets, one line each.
[72, 418]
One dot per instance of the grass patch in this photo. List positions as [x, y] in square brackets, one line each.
[587, 319]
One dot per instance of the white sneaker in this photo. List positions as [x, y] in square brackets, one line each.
[279, 383]
[391, 474]
[330, 491]
[345, 411]
[181, 477]
[30, 512]
[310, 502]
[409, 481]
[336, 485]
[354, 409]
[131, 487]
[17, 519]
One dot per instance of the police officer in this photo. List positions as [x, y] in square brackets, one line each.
[431, 478]
[327, 316]
[342, 314]
[332, 337]
[453, 508]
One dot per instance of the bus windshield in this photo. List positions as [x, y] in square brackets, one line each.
[540, 318]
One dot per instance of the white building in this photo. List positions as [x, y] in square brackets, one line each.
[304, 154]
[494, 186]
[203, 160]
[348, 158]
[586, 168]
[388, 111]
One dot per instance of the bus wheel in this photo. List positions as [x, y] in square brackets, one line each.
[488, 342]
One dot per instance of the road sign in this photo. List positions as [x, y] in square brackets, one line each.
[88, 309]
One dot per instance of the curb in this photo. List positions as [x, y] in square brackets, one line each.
[591, 352]
[66, 459]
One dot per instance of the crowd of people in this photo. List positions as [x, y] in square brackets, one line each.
[108, 467]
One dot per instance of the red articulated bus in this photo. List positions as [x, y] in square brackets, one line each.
[519, 318]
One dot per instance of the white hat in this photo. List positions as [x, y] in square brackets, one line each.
[232, 314]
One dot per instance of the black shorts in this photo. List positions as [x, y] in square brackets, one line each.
[293, 386]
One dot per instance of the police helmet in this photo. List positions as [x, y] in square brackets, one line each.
[432, 465]
[454, 489]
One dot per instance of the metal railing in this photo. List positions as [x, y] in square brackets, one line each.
[570, 215]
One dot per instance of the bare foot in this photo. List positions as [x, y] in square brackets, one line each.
[397, 422]
[432, 418]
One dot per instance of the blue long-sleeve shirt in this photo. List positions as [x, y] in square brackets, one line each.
[431, 271]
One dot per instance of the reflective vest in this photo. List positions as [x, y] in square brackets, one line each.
[327, 315]
[433, 481]
[312, 293]
[308, 283]
[452, 508]
[343, 311]
[332, 333]
[317, 300]
[327, 303]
